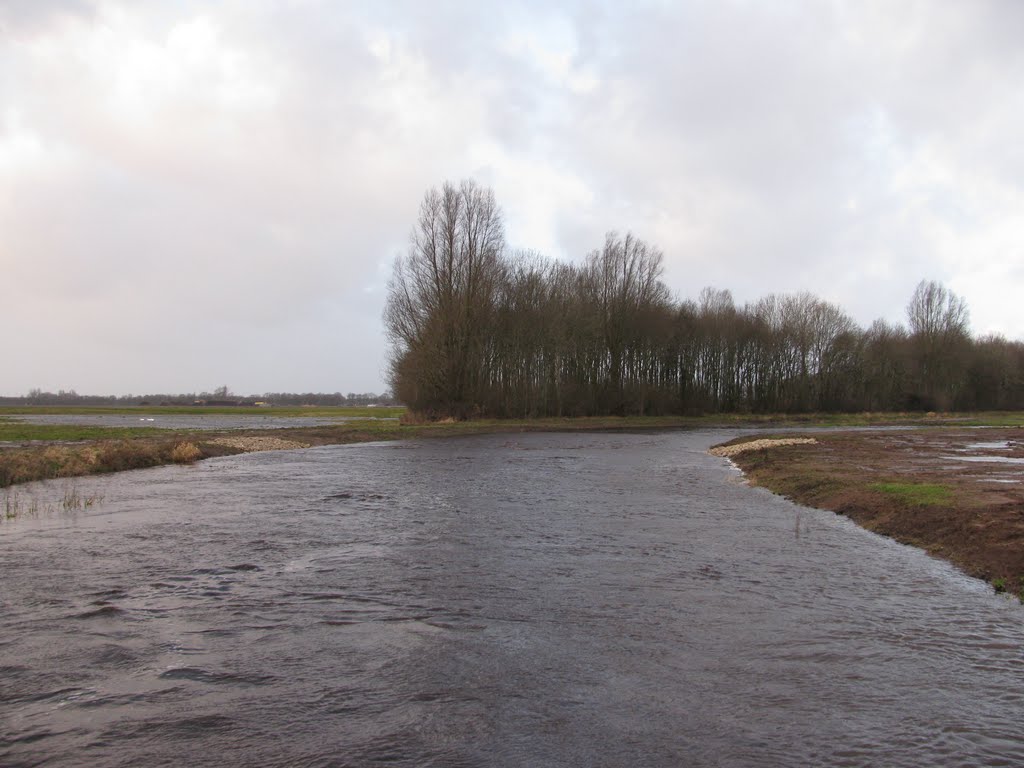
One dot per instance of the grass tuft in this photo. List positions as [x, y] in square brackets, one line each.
[915, 494]
[186, 453]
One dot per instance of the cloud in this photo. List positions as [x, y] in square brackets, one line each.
[200, 193]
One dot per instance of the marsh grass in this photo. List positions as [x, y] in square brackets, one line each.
[53, 461]
[11, 505]
[915, 494]
[186, 453]
[71, 500]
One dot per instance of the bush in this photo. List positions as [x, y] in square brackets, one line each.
[185, 453]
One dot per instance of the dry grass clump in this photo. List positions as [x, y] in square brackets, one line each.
[185, 453]
[23, 465]
[47, 462]
[119, 455]
[426, 418]
[757, 445]
[412, 419]
[20, 466]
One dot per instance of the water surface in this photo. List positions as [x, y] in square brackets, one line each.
[541, 600]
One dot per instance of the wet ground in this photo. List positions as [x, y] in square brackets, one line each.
[542, 600]
[975, 517]
[215, 421]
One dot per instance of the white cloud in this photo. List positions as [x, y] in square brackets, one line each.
[199, 193]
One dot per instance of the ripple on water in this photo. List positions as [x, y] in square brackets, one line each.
[493, 600]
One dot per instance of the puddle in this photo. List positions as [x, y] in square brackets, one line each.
[995, 445]
[986, 459]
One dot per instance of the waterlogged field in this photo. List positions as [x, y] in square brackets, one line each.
[956, 491]
[19, 424]
[153, 410]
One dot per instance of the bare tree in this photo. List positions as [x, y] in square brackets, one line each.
[441, 295]
[475, 330]
[935, 312]
[625, 277]
[939, 331]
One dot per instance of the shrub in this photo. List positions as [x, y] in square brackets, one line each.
[185, 453]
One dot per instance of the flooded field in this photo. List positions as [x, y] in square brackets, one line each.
[542, 600]
[217, 421]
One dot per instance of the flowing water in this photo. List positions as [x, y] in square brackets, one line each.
[534, 600]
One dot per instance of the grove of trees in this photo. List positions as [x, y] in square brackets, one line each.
[478, 331]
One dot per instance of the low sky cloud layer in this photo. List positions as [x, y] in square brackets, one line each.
[195, 194]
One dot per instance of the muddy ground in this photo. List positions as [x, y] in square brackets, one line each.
[957, 493]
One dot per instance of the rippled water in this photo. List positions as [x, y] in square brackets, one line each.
[614, 600]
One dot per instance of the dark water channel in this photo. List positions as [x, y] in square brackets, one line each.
[534, 600]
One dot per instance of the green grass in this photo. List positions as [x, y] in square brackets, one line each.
[14, 431]
[915, 494]
[1014, 419]
[329, 412]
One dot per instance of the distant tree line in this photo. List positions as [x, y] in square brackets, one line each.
[478, 331]
[221, 396]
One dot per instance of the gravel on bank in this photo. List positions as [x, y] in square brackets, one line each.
[258, 443]
[757, 445]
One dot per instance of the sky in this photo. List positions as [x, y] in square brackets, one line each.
[204, 194]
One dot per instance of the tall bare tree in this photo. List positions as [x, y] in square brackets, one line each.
[939, 333]
[475, 330]
[441, 296]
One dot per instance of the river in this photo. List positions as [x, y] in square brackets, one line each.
[501, 600]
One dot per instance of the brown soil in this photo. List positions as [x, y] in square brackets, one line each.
[973, 517]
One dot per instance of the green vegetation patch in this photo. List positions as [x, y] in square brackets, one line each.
[915, 494]
[329, 412]
[15, 431]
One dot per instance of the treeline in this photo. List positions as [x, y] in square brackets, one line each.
[476, 331]
[221, 396]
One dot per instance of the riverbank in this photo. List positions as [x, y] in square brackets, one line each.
[957, 493]
[30, 452]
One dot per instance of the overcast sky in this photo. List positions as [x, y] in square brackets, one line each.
[196, 194]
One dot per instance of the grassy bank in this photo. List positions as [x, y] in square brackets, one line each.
[915, 487]
[56, 460]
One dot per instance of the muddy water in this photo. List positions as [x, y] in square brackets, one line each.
[541, 600]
